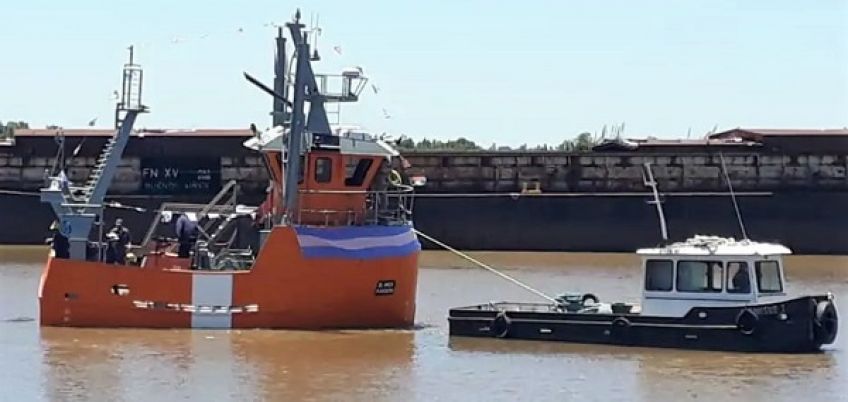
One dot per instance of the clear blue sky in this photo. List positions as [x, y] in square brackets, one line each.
[493, 71]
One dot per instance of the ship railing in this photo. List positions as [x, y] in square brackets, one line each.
[382, 207]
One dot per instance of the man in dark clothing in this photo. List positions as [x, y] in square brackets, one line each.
[61, 246]
[186, 234]
[118, 241]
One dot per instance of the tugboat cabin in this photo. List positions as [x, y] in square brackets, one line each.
[708, 271]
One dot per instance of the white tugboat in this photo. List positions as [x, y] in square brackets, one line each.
[707, 292]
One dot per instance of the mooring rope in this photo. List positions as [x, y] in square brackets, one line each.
[486, 267]
[110, 204]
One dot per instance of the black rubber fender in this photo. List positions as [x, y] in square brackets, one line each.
[500, 325]
[825, 322]
[747, 321]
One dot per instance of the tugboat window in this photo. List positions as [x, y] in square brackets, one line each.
[659, 275]
[738, 278]
[768, 277]
[699, 276]
[323, 170]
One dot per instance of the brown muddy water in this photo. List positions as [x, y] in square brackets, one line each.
[422, 364]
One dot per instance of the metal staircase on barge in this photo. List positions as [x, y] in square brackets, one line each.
[78, 209]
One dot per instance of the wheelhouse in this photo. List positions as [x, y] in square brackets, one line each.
[710, 271]
[345, 178]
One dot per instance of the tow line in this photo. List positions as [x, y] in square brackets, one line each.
[486, 267]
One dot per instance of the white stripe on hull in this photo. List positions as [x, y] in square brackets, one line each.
[212, 290]
[358, 243]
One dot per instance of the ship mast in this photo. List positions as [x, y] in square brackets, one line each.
[297, 125]
[79, 207]
[305, 89]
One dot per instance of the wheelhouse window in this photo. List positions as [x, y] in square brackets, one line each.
[699, 276]
[356, 170]
[738, 278]
[323, 170]
[659, 275]
[768, 277]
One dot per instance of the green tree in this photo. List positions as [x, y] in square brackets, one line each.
[8, 130]
[584, 142]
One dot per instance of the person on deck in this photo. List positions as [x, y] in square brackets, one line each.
[118, 242]
[60, 244]
[186, 233]
[740, 281]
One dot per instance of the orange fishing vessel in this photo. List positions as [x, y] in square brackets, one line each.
[335, 247]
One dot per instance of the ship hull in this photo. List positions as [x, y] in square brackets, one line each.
[792, 326]
[287, 287]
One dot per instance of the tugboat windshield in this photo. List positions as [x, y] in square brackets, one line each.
[659, 275]
[699, 276]
[768, 277]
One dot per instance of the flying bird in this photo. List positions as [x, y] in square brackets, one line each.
[386, 114]
[338, 50]
[92, 122]
[375, 89]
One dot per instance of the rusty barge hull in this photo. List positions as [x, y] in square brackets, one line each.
[793, 189]
[808, 223]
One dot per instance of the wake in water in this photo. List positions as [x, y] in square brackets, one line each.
[18, 319]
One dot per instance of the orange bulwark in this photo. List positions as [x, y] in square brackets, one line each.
[304, 278]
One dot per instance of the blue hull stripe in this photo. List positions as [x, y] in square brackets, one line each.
[358, 242]
[351, 232]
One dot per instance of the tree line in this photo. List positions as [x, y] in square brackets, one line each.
[582, 142]
[8, 130]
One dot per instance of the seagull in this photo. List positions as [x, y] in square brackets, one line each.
[241, 30]
[386, 114]
[338, 50]
[92, 122]
[115, 95]
[374, 88]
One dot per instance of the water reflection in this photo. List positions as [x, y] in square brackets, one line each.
[339, 365]
[85, 364]
[670, 374]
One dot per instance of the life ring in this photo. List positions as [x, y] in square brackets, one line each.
[747, 321]
[500, 325]
[394, 178]
[587, 297]
[825, 323]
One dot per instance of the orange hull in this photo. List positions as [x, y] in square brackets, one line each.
[283, 289]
